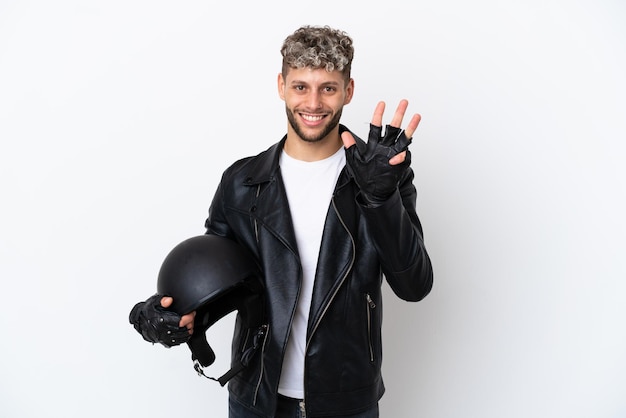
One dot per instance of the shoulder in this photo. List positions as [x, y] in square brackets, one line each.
[257, 167]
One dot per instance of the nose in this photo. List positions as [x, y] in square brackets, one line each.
[314, 100]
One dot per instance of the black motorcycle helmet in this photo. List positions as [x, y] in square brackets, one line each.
[214, 276]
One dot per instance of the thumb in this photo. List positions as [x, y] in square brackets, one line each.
[166, 301]
[347, 139]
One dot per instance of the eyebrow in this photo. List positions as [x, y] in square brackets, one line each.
[324, 84]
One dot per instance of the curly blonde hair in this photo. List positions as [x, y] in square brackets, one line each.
[318, 47]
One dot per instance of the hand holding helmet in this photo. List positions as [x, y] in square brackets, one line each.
[157, 324]
[205, 278]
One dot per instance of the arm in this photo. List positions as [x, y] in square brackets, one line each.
[382, 172]
[397, 235]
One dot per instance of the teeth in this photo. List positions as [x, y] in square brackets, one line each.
[312, 118]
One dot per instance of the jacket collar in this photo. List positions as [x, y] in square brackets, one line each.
[264, 169]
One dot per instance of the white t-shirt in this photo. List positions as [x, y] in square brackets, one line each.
[309, 187]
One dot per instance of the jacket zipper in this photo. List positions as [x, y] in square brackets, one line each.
[258, 384]
[262, 353]
[370, 307]
[338, 287]
[256, 224]
[343, 279]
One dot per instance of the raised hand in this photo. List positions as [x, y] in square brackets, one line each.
[378, 167]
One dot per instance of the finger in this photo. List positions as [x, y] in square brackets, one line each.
[377, 119]
[399, 115]
[398, 158]
[166, 301]
[347, 139]
[187, 320]
[412, 126]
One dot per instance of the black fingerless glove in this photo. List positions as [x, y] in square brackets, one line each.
[369, 165]
[157, 324]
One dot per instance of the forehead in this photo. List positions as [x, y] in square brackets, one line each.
[314, 76]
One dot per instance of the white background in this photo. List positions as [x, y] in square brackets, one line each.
[118, 117]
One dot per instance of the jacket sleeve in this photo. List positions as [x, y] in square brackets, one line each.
[397, 234]
[222, 219]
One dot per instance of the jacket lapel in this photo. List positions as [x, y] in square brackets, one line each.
[337, 250]
[271, 207]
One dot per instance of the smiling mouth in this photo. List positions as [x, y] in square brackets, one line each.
[312, 118]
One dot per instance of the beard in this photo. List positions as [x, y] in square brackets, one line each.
[313, 138]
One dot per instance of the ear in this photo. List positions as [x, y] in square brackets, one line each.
[281, 86]
[349, 91]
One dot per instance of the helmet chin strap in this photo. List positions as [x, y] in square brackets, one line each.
[203, 356]
[201, 351]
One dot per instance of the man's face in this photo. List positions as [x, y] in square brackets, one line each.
[314, 100]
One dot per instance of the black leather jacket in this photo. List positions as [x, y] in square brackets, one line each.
[359, 245]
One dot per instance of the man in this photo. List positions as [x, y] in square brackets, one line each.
[326, 215]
